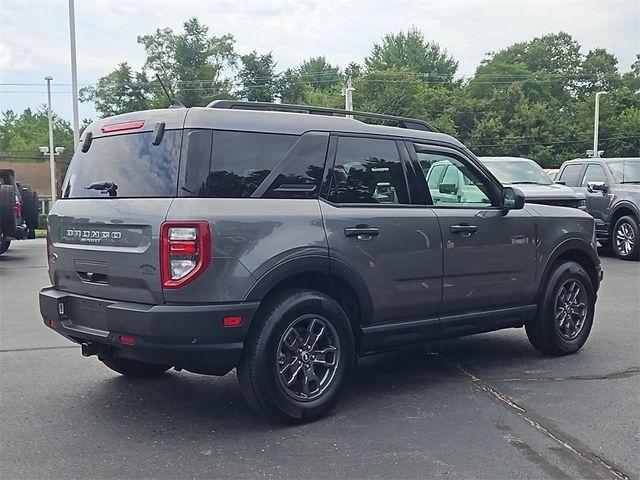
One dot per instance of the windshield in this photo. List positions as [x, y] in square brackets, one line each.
[626, 170]
[125, 166]
[518, 171]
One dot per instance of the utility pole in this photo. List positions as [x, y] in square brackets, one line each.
[74, 75]
[52, 167]
[348, 97]
[596, 120]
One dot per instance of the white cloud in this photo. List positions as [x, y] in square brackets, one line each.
[34, 34]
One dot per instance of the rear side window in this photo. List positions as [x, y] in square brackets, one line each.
[130, 162]
[571, 175]
[368, 171]
[241, 161]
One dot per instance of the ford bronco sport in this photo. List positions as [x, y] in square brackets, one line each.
[285, 241]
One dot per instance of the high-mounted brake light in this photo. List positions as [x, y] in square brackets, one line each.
[185, 251]
[119, 127]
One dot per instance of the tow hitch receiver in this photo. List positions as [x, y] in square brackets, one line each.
[89, 349]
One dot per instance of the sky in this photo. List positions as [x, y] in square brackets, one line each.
[34, 34]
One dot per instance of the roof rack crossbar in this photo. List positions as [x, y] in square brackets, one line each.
[404, 122]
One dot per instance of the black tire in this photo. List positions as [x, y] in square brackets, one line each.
[561, 326]
[625, 238]
[4, 244]
[272, 343]
[30, 209]
[133, 368]
[8, 210]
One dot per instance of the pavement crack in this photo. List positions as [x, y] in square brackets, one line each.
[629, 372]
[35, 349]
[558, 437]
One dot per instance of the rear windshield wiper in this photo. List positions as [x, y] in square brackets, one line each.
[104, 187]
[631, 181]
[524, 183]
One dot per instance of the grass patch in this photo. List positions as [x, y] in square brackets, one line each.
[41, 233]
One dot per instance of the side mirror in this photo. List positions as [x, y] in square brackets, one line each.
[448, 188]
[593, 187]
[512, 199]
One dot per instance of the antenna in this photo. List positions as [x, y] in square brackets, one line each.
[173, 103]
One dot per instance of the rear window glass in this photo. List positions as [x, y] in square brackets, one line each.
[241, 161]
[130, 162]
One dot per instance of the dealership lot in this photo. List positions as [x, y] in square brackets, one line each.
[487, 406]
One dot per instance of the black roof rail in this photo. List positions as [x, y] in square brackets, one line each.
[404, 122]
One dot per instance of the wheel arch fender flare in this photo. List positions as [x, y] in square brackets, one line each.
[313, 264]
[626, 204]
[579, 251]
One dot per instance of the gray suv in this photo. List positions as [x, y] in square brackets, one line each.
[286, 241]
[612, 187]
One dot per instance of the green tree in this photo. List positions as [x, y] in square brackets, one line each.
[395, 91]
[257, 78]
[599, 71]
[290, 87]
[314, 80]
[320, 74]
[557, 55]
[21, 136]
[192, 62]
[122, 90]
[411, 51]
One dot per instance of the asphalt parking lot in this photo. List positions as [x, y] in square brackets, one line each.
[487, 406]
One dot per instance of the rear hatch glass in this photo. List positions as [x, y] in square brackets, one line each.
[105, 241]
[130, 162]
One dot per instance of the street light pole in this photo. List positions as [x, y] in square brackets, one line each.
[74, 75]
[52, 167]
[596, 120]
[348, 97]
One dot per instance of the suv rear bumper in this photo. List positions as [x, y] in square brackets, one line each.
[191, 337]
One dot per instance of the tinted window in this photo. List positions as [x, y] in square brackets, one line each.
[368, 171]
[241, 161]
[594, 173]
[197, 158]
[449, 179]
[131, 162]
[299, 174]
[571, 175]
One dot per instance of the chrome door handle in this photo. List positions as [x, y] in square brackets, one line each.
[363, 231]
[464, 230]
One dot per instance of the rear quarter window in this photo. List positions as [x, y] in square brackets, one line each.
[136, 166]
[240, 161]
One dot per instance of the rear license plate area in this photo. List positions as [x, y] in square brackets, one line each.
[88, 313]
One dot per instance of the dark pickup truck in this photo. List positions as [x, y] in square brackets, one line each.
[612, 188]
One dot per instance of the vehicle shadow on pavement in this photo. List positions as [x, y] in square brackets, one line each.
[177, 401]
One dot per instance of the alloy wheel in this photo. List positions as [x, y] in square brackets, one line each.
[624, 239]
[571, 309]
[308, 357]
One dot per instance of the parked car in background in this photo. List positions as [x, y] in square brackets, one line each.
[19, 209]
[612, 189]
[552, 172]
[536, 185]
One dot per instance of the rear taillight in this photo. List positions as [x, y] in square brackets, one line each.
[48, 245]
[18, 208]
[185, 251]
